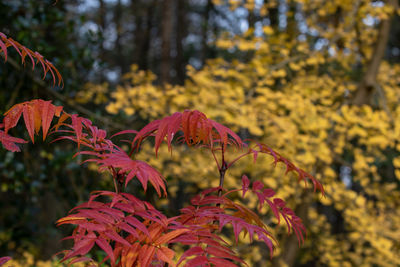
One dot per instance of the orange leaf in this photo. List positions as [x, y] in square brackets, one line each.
[3, 47]
[169, 236]
[165, 254]
[48, 111]
[130, 257]
[58, 111]
[146, 255]
[36, 114]
[12, 117]
[29, 118]
[63, 117]
[68, 219]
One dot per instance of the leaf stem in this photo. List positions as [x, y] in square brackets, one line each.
[222, 171]
[241, 156]
[215, 158]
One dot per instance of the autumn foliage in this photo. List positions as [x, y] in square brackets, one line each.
[132, 232]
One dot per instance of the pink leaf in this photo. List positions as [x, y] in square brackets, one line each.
[8, 142]
[245, 184]
[3, 260]
[222, 262]
[103, 244]
[12, 117]
[198, 261]
[257, 185]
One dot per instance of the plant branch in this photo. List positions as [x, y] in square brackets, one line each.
[369, 82]
[236, 159]
[104, 120]
[222, 170]
[215, 158]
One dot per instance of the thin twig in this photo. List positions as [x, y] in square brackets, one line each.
[102, 119]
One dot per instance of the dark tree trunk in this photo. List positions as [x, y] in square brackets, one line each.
[181, 31]
[369, 84]
[291, 27]
[143, 13]
[204, 32]
[138, 33]
[251, 19]
[120, 59]
[102, 23]
[273, 15]
[166, 33]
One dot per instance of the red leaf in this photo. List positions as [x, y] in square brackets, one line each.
[3, 260]
[58, 111]
[125, 132]
[8, 142]
[274, 210]
[116, 237]
[11, 42]
[195, 126]
[129, 229]
[245, 184]
[77, 126]
[82, 247]
[130, 256]
[12, 117]
[169, 236]
[29, 118]
[268, 192]
[140, 169]
[190, 252]
[3, 47]
[198, 261]
[225, 131]
[257, 185]
[37, 115]
[136, 223]
[218, 252]
[161, 132]
[222, 262]
[165, 254]
[173, 127]
[23, 52]
[103, 244]
[146, 255]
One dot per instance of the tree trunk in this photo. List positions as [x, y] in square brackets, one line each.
[102, 23]
[273, 15]
[251, 19]
[143, 13]
[120, 59]
[166, 32]
[181, 31]
[368, 83]
[204, 32]
[138, 35]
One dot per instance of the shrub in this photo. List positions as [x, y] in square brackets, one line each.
[132, 232]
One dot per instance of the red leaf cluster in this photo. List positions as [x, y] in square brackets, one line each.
[131, 231]
[195, 127]
[125, 228]
[4, 260]
[37, 114]
[35, 57]
[290, 167]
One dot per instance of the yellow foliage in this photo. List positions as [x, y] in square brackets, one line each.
[28, 260]
[302, 108]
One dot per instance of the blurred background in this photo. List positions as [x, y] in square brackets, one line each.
[319, 81]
